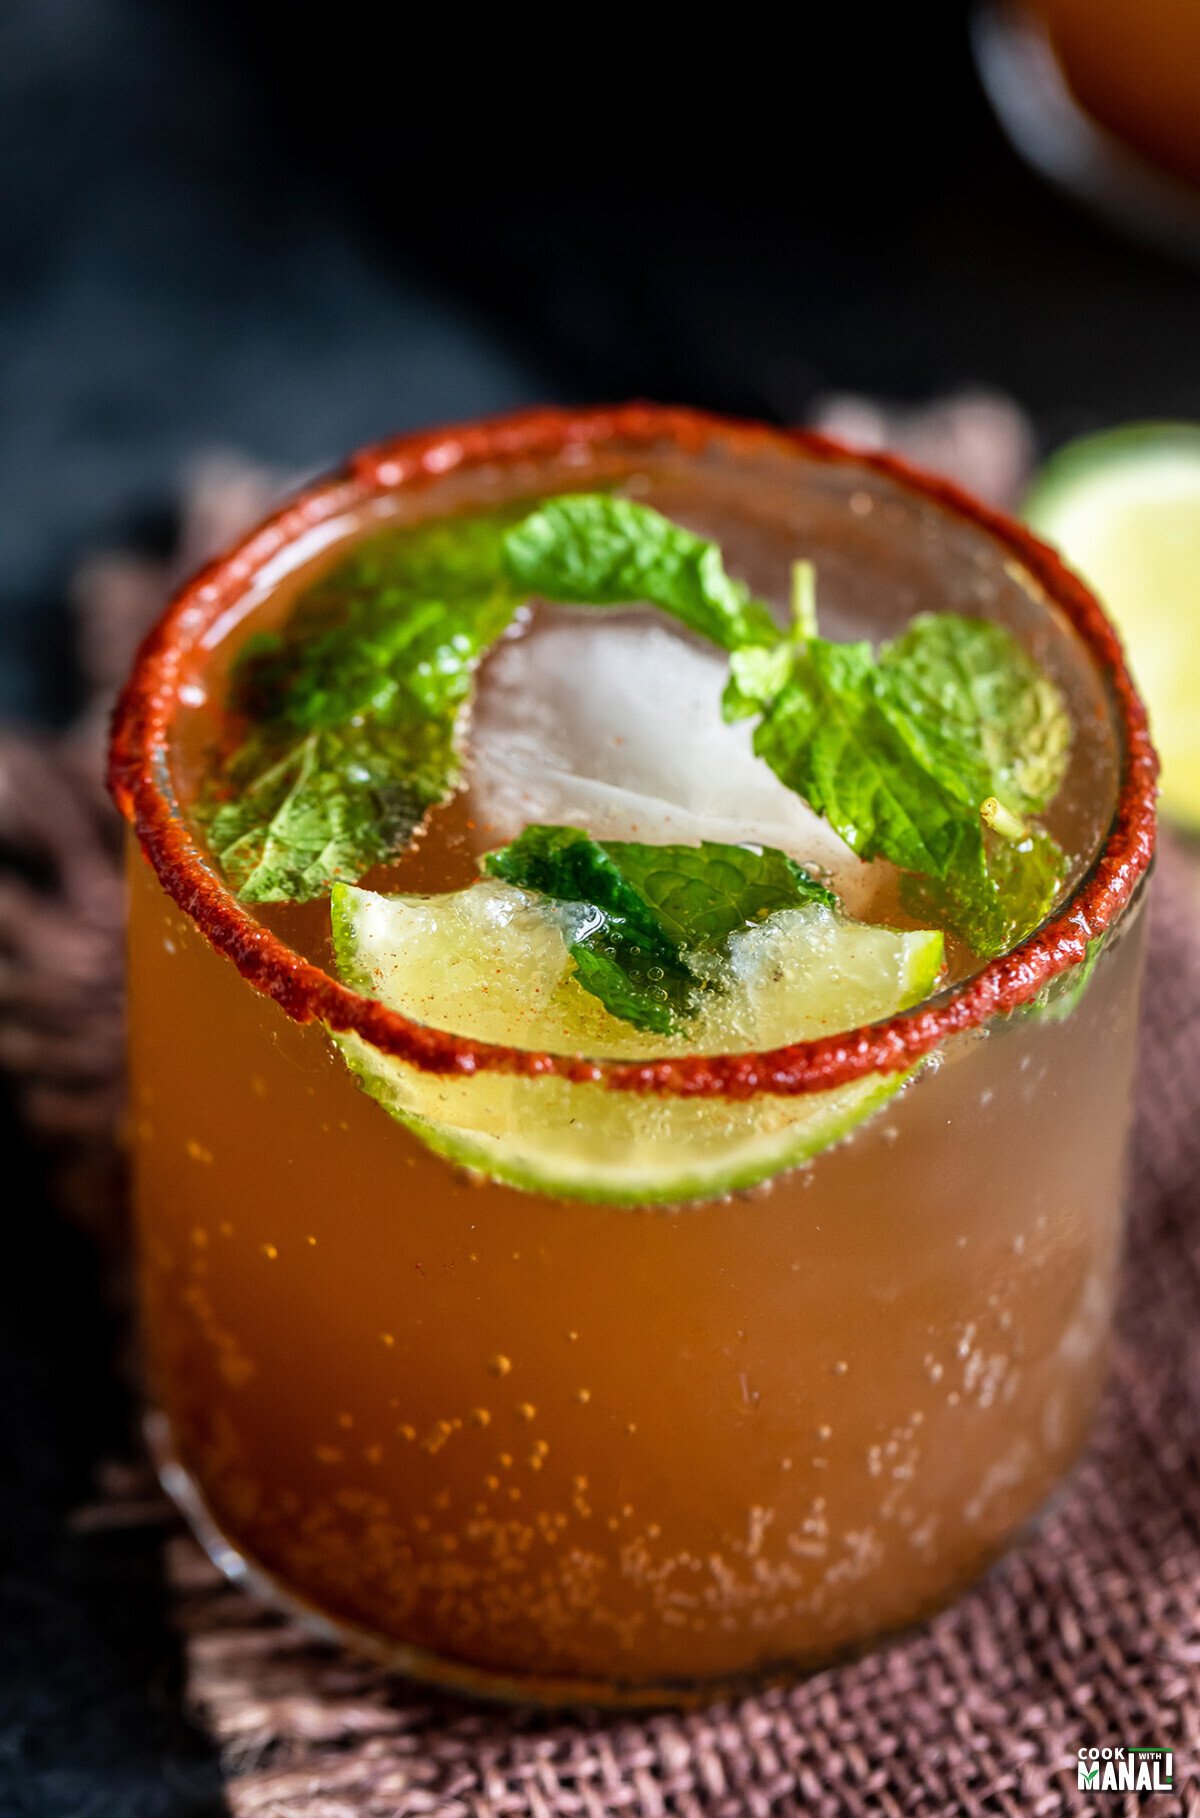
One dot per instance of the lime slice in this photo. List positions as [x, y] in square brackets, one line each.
[492, 962]
[1124, 509]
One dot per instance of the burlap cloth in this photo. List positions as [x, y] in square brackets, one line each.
[1088, 1635]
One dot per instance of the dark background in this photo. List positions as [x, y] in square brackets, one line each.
[224, 227]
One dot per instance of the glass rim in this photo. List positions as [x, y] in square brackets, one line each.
[140, 780]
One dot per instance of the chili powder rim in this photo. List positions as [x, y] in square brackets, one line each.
[139, 775]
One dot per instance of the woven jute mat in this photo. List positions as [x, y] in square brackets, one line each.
[1088, 1635]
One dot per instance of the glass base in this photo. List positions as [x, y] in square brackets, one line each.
[466, 1681]
[1049, 129]
[397, 1657]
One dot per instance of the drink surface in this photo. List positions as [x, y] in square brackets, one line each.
[611, 721]
[532, 1436]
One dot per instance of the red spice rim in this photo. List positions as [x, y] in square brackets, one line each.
[139, 776]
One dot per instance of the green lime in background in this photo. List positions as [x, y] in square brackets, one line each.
[1123, 508]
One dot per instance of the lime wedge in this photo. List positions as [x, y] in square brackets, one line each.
[492, 962]
[1124, 510]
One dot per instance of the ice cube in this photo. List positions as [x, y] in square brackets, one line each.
[612, 722]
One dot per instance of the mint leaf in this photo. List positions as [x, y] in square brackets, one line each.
[568, 864]
[653, 905]
[409, 612]
[590, 549]
[908, 754]
[977, 709]
[324, 806]
[614, 970]
[352, 711]
[353, 708]
[702, 894]
[995, 891]
[626, 958]
[758, 674]
[827, 736]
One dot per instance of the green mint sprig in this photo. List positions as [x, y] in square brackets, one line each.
[588, 549]
[932, 752]
[652, 907]
[352, 710]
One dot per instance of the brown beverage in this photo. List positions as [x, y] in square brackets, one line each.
[541, 1444]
